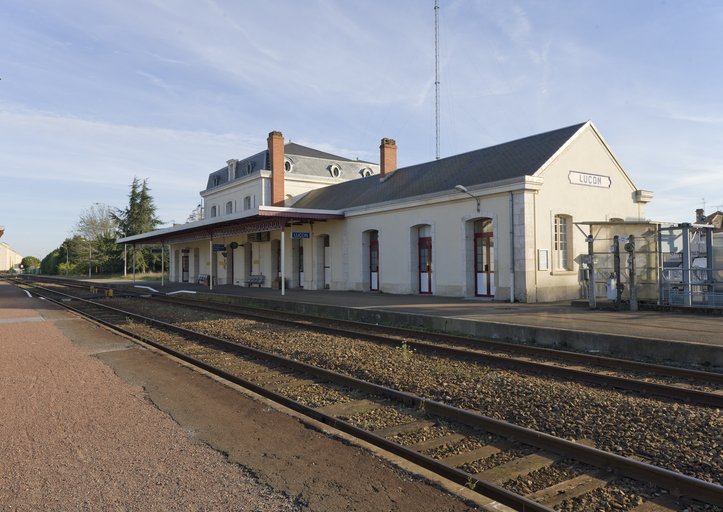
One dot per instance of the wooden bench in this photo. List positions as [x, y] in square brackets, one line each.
[254, 279]
[202, 279]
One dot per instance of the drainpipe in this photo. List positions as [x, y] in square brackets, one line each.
[512, 250]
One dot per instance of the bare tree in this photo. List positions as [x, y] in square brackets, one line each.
[196, 214]
[98, 228]
[96, 223]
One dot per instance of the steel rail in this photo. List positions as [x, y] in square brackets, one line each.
[666, 391]
[482, 487]
[675, 482]
[590, 359]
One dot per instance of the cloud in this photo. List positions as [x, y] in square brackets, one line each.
[79, 148]
[70, 163]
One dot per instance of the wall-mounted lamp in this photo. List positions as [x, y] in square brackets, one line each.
[463, 189]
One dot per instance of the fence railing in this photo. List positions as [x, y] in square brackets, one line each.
[695, 286]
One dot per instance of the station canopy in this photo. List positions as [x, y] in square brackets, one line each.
[267, 218]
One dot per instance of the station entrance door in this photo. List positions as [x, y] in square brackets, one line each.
[484, 264]
[425, 259]
[184, 268]
[374, 261]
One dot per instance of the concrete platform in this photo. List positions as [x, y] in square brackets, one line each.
[645, 335]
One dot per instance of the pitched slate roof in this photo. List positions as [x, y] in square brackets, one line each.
[522, 157]
[260, 161]
[293, 148]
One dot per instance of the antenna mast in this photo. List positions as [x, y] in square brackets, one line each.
[436, 76]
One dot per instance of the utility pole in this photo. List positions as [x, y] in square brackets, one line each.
[436, 77]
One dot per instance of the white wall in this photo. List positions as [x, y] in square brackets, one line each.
[235, 192]
[8, 257]
[451, 256]
[586, 154]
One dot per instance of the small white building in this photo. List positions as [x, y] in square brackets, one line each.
[496, 223]
[9, 259]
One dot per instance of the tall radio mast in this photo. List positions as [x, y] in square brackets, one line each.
[436, 77]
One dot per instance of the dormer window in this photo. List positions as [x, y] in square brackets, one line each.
[216, 180]
[335, 170]
[366, 172]
[288, 165]
[231, 168]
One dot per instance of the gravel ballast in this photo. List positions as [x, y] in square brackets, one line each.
[680, 437]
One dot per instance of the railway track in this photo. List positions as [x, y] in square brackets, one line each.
[491, 456]
[670, 382]
[687, 385]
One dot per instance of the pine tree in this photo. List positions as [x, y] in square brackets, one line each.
[139, 217]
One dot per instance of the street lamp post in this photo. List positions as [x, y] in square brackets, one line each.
[67, 258]
[463, 189]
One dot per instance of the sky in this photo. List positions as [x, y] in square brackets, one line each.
[96, 92]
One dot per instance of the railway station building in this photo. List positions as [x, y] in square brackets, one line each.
[497, 223]
[9, 259]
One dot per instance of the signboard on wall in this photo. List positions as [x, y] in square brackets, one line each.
[300, 234]
[219, 247]
[589, 180]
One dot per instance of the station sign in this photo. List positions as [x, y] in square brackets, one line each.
[300, 234]
[589, 180]
[219, 247]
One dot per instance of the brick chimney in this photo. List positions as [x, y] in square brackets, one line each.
[387, 156]
[276, 163]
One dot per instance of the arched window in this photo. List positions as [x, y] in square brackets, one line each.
[229, 207]
[214, 211]
[562, 242]
[247, 203]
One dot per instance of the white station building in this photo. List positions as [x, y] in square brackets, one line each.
[495, 223]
